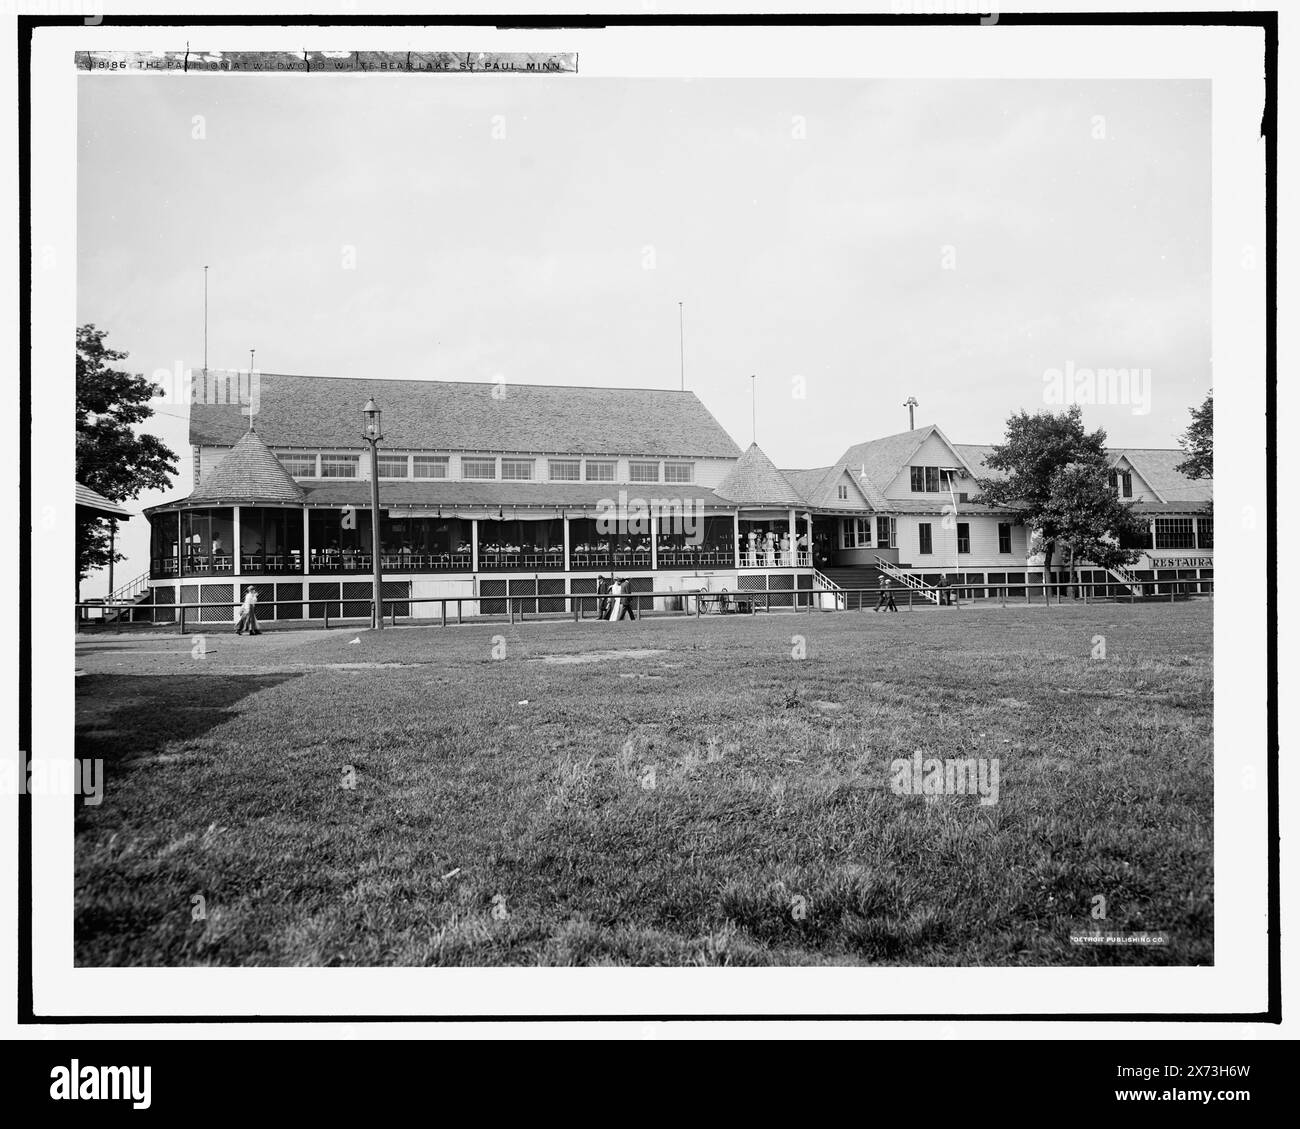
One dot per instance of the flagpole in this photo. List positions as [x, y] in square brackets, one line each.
[681, 337]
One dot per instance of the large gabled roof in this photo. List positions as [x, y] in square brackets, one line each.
[441, 415]
[248, 472]
[876, 463]
[755, 481]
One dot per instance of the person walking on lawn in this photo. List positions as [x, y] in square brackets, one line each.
[248, 617]
[886, 595]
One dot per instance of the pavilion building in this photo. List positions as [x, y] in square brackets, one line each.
[494, 490]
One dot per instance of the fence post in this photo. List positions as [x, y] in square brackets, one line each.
[510, 607]
[181, 609]
[327, 617]
[443, 606]
[460, 618]
[910, 608]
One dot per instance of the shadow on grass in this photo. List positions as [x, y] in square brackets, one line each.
[122, 717]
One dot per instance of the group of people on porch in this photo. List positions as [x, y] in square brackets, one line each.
[769, 548]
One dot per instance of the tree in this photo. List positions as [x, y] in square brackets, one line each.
[112, 458]
[1035, 448]
[1088, 517]
[1197, 441]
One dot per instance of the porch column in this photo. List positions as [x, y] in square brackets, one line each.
[808, 520]
[237, 548]
[1153, 539]
[473, 544]
[306, 542]
[794, 539]
[735, 537]
[654, 541]
[567, 558]
[180, 552]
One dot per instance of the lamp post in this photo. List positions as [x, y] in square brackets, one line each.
[374, 433]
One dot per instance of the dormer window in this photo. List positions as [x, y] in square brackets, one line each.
[843, 492]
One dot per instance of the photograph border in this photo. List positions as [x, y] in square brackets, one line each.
[28, 24]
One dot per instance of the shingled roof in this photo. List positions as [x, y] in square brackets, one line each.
[97, 504]
[248, 472]
[439, 415]
[1157, 466]
[755, 481]
[817, 488]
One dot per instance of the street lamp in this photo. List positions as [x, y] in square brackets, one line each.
[373, 434]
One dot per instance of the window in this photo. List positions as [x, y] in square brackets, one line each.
[643, 472]
[1004, 537]
[1122, 477]
[1128, 484]
[1173, 533]
[516, 470]
[963, 537]
[478, 468]
[855, 532]
[927, 543]
[1114, 481]
[884, 533]
[431, 466]
[600, 471]
[679, 472]
[298, 465]
[565, 470]
[339, 466]
[926, 479]
[843, 492]
[393, 466]
[1205, 532]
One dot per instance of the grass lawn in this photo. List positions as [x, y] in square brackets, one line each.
[497, 794]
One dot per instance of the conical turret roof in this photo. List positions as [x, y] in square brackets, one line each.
[755, 481]
[250, 472]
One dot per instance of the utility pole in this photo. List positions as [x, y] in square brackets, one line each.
[753, 407]
[373, 434]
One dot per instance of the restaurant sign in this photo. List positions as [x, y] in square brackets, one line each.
[1181, 562]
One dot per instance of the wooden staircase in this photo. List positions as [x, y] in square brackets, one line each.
[870, 576]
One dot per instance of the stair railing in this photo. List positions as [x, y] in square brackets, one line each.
[130, 590]
[820, 581]
[906, 579]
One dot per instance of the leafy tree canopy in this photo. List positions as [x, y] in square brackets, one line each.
[112, 457]
[1089, 518]
[1197, 441]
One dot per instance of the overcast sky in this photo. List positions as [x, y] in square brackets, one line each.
[382, 226]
